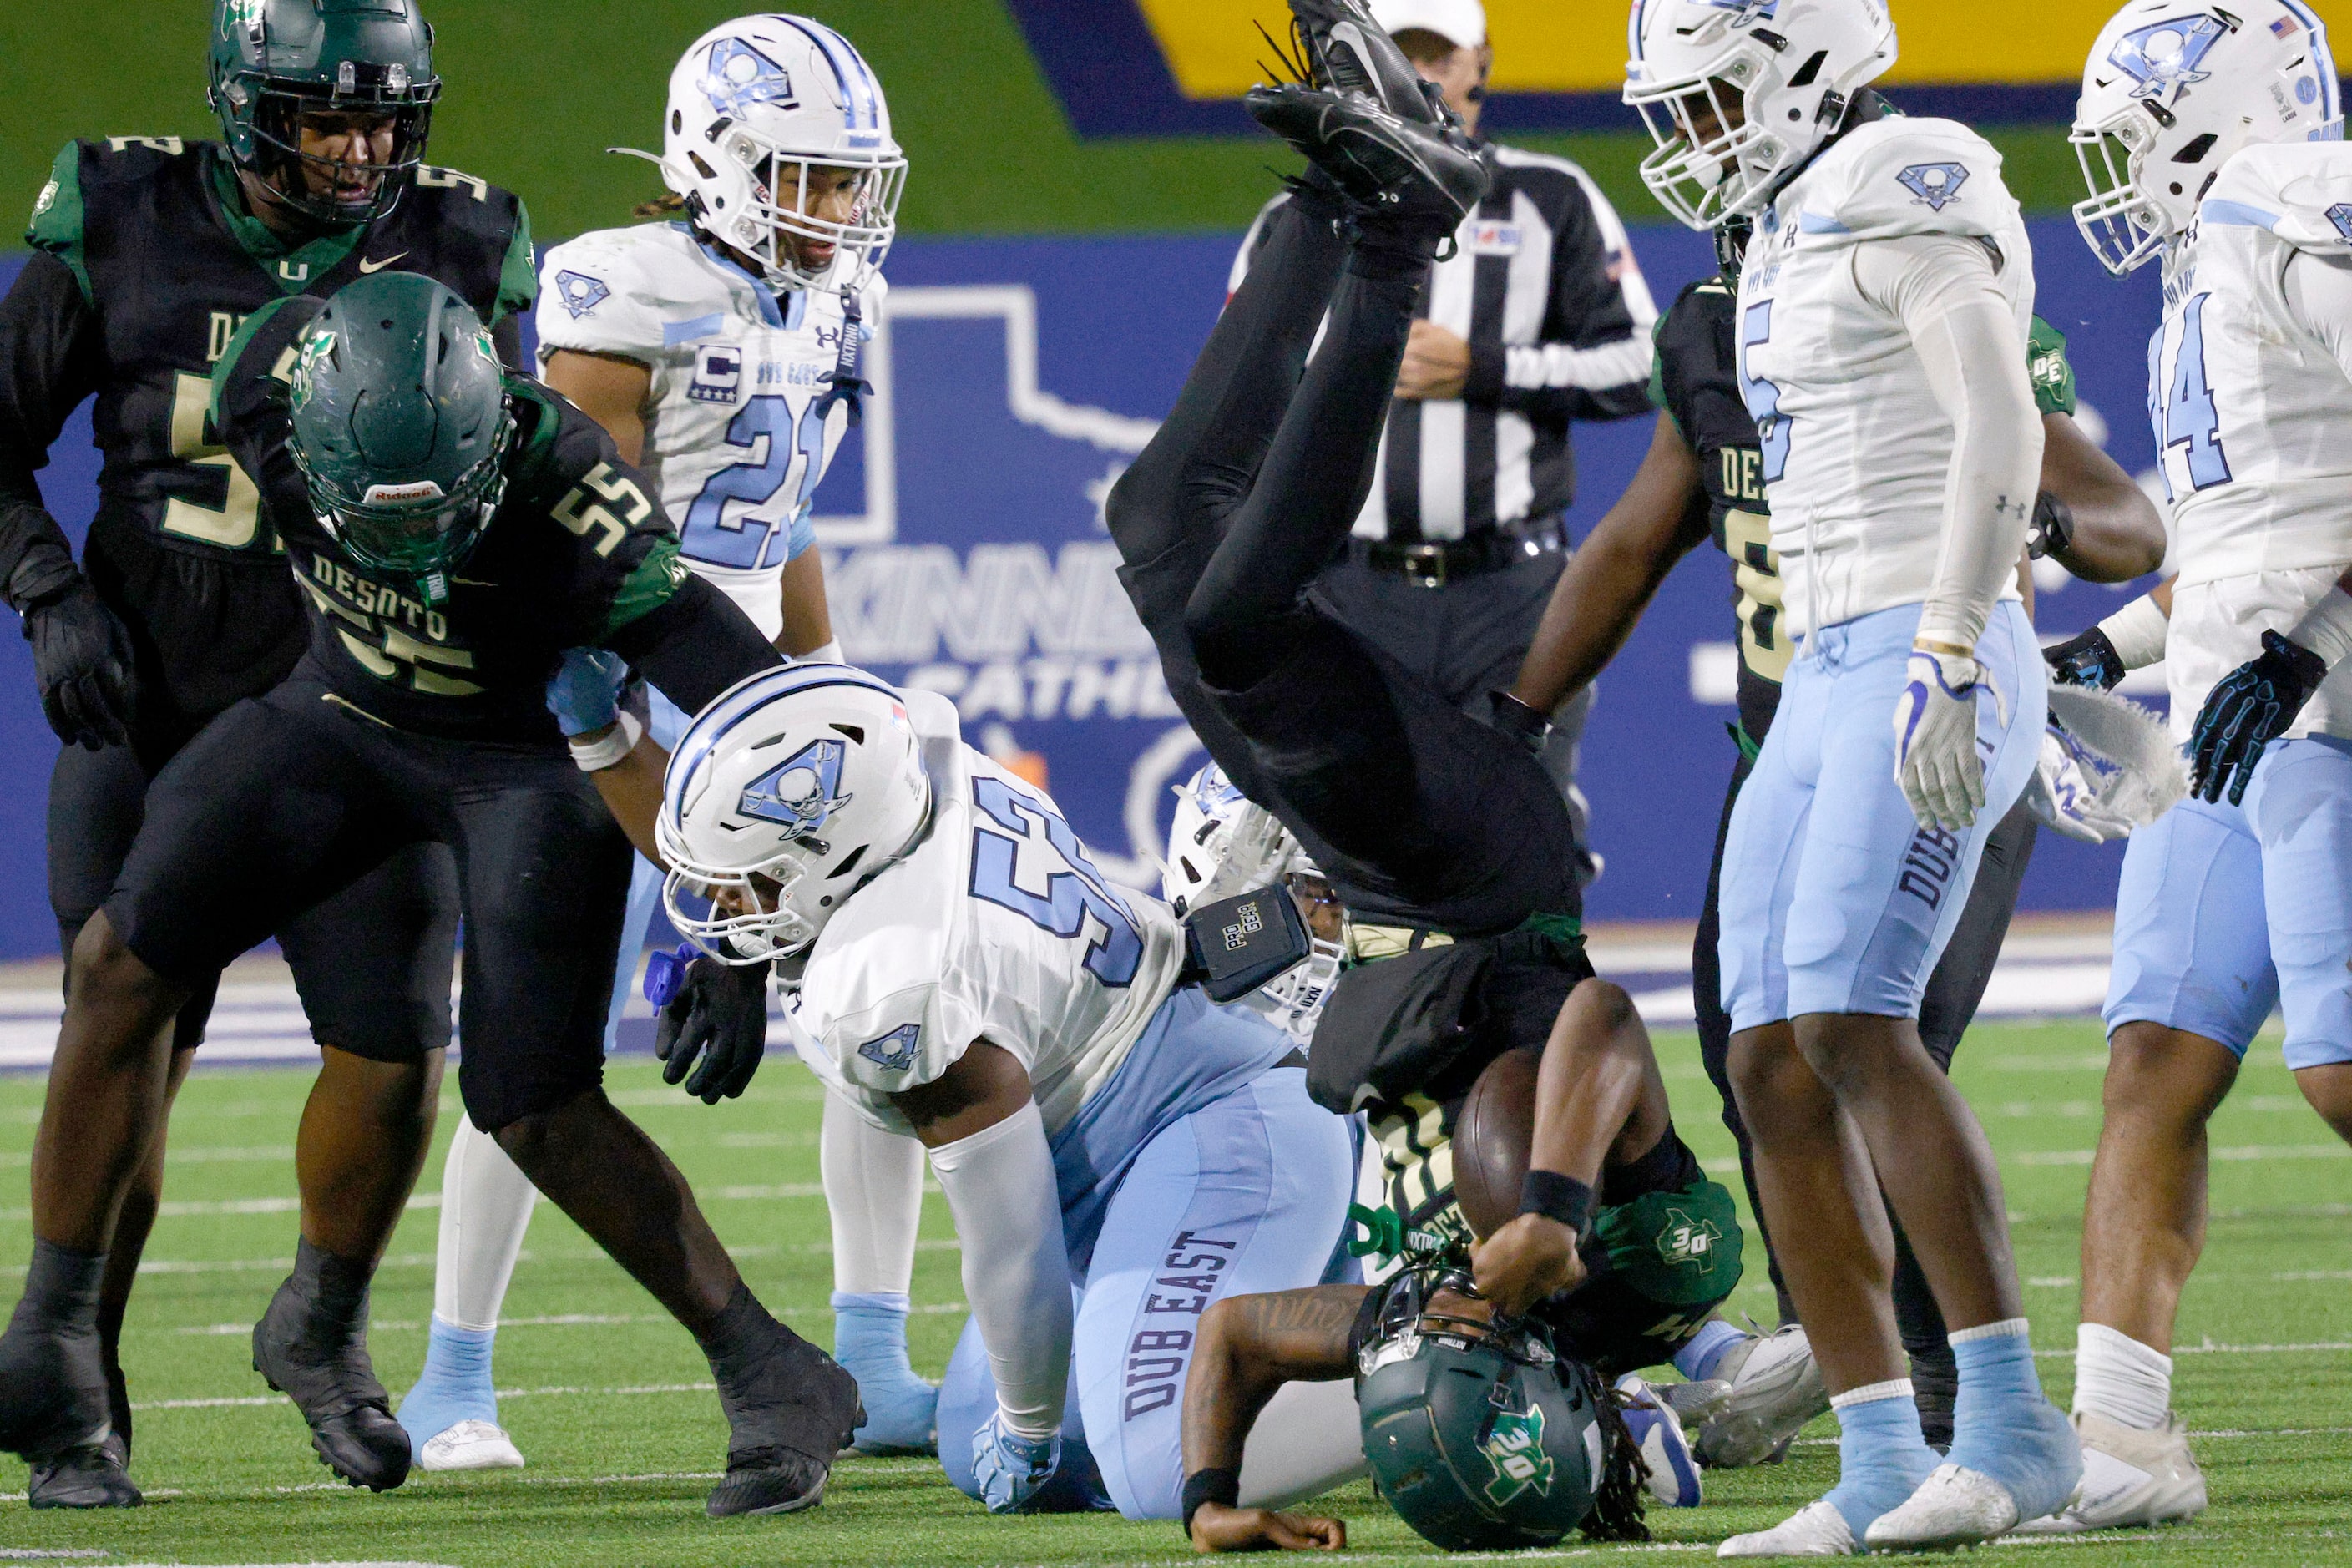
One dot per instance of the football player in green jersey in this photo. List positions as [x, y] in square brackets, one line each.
[148, 253]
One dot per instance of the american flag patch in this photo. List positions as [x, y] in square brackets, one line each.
[2286, 27]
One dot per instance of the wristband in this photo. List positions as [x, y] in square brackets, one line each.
[595, 756]
[2137, 631]
[2326, 630]
[2053, 527]
[1216, 1485]
[829, 654]
[1520, 720]
[1555, 1196]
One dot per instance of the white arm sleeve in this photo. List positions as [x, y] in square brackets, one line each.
[1016, 1272]
[1945, 292]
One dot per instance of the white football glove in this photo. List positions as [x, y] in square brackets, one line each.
[2064, 791]
[1936, 760]
[1255, 852]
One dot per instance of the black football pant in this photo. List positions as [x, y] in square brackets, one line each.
[288, 799]
[1945, 1010]
[1419, 814]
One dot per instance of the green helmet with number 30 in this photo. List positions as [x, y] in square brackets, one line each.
[1481, 1437]
[272, 61]
[402, 426]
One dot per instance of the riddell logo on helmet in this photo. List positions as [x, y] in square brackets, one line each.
[394, 495]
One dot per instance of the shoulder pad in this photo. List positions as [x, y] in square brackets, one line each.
[2300, 191]
[616, 290]
[1901, 176]
[933, 716]
[56, 223]
[255, 370]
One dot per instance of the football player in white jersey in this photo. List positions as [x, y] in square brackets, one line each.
[1884, 306]
[2211, 139]
[956, 967]
[721, 352]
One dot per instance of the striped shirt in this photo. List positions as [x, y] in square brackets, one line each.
[1544, 289]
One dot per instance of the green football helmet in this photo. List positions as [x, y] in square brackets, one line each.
[273, 61]
[1479, 1436]
[402, 426]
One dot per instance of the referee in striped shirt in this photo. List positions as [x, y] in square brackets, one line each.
[1540, 318]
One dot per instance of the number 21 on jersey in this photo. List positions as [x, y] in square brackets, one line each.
[2189, 450]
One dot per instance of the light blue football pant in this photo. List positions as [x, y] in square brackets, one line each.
[1248, 1192]
[1834, 899]
[668, 722]
[2226, 911]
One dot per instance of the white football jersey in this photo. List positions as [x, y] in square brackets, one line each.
[2250, 391]
[737, 426]
[996, 926]
[1856, 449]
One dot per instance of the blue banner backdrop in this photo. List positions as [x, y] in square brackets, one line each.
[965, 550]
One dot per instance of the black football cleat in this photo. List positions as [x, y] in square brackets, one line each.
[92, 1476]
[52, 1389]
[1347, 51]
[317, 1356]
[789, 1412]
[1390, 168]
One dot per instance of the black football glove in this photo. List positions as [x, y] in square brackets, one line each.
[2087, 661]
[81, 656]
[719, 1012]
[2053, 527]
[2252, 705]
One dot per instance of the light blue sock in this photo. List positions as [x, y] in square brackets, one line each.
[454, 1385]
[870, 1338]
[1699, 1359]
[1881, 1457]
[2003, 1423]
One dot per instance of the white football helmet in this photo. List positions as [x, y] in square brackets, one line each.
[784, 796]
[1219, 846]
[1738, 94]
[2172, 90]
[756, 104]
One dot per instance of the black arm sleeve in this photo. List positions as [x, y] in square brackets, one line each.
[51, 357]
[694, 645]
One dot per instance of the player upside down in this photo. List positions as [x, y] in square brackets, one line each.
[1446, 842]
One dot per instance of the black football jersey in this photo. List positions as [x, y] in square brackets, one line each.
[170, 263]
[1697, 382]
[579, 549]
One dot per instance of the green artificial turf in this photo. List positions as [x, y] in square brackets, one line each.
[609, 1401]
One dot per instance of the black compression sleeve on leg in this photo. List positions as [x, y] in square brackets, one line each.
[1202, 460]
[1245, 611]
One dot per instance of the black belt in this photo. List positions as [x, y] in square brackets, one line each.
[1434, 563]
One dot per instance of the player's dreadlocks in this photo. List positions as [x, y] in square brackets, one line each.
[1619, 1493]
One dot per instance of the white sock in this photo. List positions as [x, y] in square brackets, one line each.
[874, 1192]
[486, 1204]
[1308, 1439]
[2121, 1379]
[1017, 1268]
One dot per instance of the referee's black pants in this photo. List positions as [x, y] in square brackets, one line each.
[1418, 814]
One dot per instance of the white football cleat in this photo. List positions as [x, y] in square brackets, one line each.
[470, 1446]
[1817, 1529]
[1776, 1388]
[1954, 1506]
[1657, 1431]
[2129, 1478]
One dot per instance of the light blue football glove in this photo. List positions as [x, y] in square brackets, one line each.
[1011, 1468]
[585, 694]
